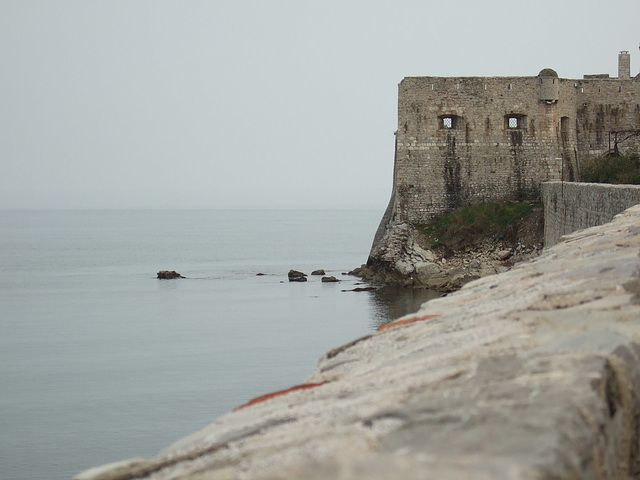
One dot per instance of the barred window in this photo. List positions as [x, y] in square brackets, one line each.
[515, 121]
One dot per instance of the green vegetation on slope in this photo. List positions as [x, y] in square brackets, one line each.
[621, 169]
[471, 225]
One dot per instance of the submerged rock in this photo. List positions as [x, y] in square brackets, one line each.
[318, 272]
[361, 289]
[329, 279]
[296, 276]
[168, 274]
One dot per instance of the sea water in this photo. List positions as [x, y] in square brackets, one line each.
[101, 361]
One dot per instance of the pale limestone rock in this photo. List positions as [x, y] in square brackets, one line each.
[487, 269]
[425, 270]
[421, 253]
[436, 280]
[117, 470]
[398, 256]
[504, 254]
[405, 267]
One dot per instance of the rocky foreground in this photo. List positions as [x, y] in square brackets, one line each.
[530, 374]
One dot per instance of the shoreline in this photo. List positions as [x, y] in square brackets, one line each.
[403, 255]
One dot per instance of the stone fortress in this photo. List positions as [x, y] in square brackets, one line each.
[465, 141]
[470, 140]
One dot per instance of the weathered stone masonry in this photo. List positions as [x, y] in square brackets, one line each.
[468, 140]
[464, 141]
[569, 207]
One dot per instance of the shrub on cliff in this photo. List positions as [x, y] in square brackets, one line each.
[470, 226]
[623, 169]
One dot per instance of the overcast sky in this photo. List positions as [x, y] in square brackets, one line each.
[153, 104]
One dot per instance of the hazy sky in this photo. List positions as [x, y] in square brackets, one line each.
[125, 104]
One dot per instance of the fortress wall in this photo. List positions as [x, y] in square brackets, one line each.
[455, 145]
[481, 158]
[569, 207]
[604, 105]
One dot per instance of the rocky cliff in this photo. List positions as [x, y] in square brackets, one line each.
[401, 255]
[530, 374]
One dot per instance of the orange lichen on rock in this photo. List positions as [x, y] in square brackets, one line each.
[406, 321]
[262, 398]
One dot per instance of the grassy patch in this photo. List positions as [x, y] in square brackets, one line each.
[624, 169]
[471, 225]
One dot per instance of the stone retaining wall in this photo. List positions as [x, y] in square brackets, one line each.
[569, 207]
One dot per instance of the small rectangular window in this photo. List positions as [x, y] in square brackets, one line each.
[515, 121]
[449, 122]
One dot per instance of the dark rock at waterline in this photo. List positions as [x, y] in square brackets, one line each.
[361, 289]
[318, 272]
[168, 274]
[357, 272]
[330, 279]
[296, 276]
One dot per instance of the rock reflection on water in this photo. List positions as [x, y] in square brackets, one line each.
[389, 303]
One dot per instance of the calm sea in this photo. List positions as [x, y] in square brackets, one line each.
[100, 361]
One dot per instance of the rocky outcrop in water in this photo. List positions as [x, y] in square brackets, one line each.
[400, 260]
[528, 375]
[168, 274]
[329, 279]
[400, 256]
[296, 276]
